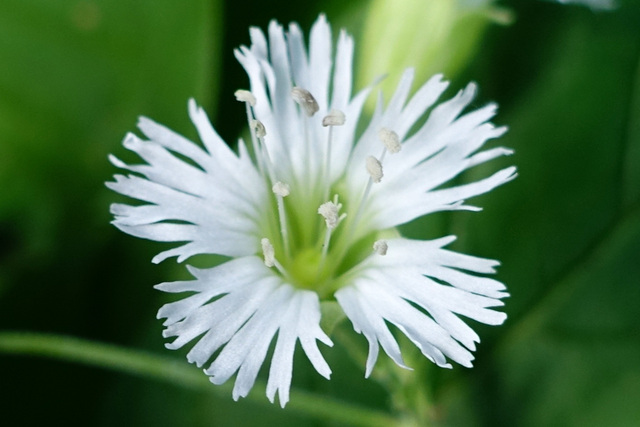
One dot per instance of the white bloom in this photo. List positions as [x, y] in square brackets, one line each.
[299, 214]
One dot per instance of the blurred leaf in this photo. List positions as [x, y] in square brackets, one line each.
[632, 156]
[570, 135]
[579, 348]
[437, 36]
[568, 242]
[76, 75]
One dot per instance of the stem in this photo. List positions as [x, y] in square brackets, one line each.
[173, 371]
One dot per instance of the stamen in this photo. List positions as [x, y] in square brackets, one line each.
[335, 118]
[308, 103]
[374, 167]
[268, 252]
[245, 96]
[259, 128]
[380, 247]
[281, 189]
[270, 256]
[390, 140]
[330, 212]
[305, 100]
[250, 101]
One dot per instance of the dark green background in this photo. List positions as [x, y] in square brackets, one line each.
[74, 75]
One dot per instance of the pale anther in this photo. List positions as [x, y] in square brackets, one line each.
[257, 125]
[329, 211]
[380, 247]
[245, 96]
[268, 252]
[374, 167]
[390, 140]
[305, 100]
[334, 118]
[281, 189]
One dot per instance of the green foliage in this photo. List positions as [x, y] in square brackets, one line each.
[438, 36]
[75, 76]
[568, 230]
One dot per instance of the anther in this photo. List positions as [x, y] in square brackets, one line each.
[390, 140]
[250, 101]
[268, 252]
[259, 128]
[334, 118]
[281, 189]
[329, 211]
[374, 167]
[380, 247]
[245, 96]
[305, 100]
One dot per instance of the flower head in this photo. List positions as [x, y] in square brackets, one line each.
[307, 213]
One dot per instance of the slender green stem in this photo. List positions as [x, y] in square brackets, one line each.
[174, 371]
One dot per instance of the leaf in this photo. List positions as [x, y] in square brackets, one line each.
[579, 348]
[631, 178]
[76, 75]
[438, 36]
[566, 231]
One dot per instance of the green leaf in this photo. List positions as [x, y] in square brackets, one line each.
[567, 231]
[578, 348]
[76, 75]
[631, 171]
[569, 131]
[438, 36]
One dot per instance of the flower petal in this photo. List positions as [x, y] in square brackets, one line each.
[300, 322]
[213, 209]
[239, 307]
[400, 288]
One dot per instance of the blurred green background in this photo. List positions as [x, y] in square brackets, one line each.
[75, 74]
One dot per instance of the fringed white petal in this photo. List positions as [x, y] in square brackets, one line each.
[421, 289]
[238, 308]
[343, 74]
[386, 213]
[300, 322]
[366, 320]
[214, 209]
[442, 148]
[320, 61]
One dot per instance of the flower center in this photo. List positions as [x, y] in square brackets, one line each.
[315, 250]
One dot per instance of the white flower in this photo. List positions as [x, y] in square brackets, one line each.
[309, 215]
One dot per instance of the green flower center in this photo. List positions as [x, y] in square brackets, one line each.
[314, 232]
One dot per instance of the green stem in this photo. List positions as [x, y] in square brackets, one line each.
[176, 372]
